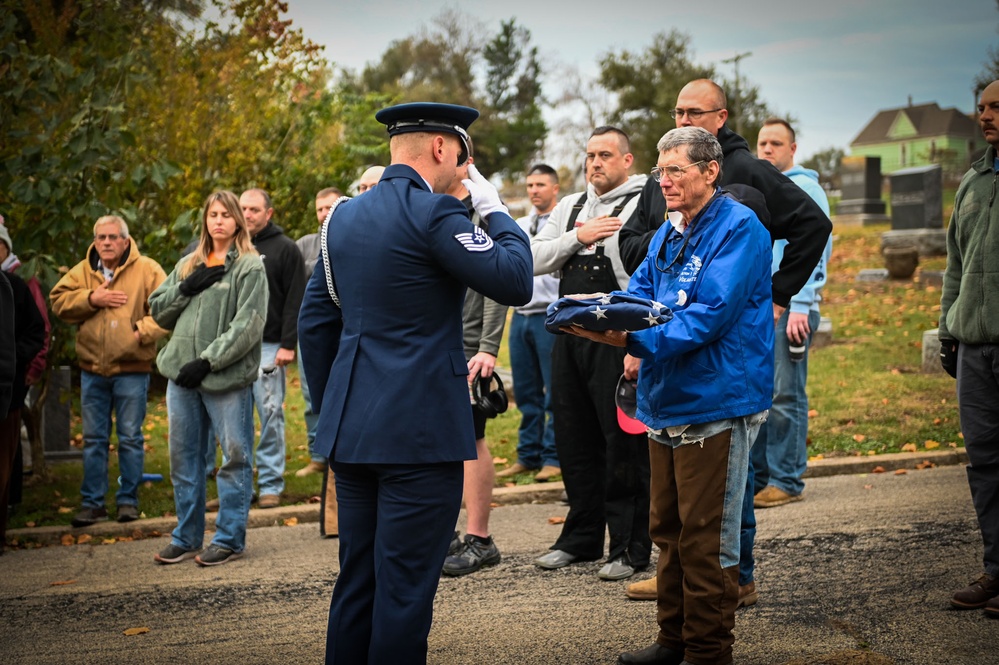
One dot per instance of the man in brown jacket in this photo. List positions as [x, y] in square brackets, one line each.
[107, 296]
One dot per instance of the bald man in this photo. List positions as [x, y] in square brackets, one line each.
[369, 178]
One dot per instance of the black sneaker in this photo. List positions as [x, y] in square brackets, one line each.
[128, 513]
[174, 554]
[455, 545]
[89, 516]
[215, 555]
[474, 554]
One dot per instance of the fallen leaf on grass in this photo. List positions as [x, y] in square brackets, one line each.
[878, 469]
[136, 631]
[84, 538]
[909, 448]
[315, 499]
[925, 464]
[872, 452]
[556, 520]
[884, 400]
[494, 505]
[500, 460]
[62, 582]
[291, 521]
[109, 541]
[65, 509]
[30, 525]
[68, 539]
[813, 413]
[900, 472]
[859, 438]
[931, 444]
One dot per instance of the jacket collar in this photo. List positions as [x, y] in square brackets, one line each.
[408, 172]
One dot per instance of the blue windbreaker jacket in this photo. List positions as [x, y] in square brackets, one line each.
[714, 359]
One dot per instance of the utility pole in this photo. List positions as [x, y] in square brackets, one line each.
[738, 102]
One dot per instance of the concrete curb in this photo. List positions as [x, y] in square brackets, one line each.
[517, 494]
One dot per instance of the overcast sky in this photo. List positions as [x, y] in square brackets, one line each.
[833, 64]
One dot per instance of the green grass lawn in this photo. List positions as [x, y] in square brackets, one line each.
[866, 391]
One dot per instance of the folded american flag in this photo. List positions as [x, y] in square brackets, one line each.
[606, 311]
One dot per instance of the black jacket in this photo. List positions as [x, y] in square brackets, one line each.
[286, 283]
[28, 338]
[794, 216]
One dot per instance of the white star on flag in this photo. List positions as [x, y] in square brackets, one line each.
[651, 318]
[601, 313]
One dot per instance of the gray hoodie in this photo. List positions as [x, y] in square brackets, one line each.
[553, 245]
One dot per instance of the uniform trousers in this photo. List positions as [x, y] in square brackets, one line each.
[605, 470]
[396, 522]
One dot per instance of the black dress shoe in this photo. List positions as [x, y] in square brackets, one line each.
[657, 654]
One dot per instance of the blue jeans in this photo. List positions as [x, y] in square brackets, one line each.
[779, 456]
[531, 363]
[268, 396]
[747, 531]
[311, 417]
[191, 412]
[125, 396]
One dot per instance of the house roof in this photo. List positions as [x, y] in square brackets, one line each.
[925, 119]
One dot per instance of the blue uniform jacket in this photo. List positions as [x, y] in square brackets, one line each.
[714, 359]
[387, 369]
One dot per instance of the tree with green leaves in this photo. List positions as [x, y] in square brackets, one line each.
[827, 163]
[646, 85]
[440, 62]
[510, 131]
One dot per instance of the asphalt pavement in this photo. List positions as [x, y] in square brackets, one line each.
[861, 571]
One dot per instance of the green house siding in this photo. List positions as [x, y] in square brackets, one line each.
[952, 153]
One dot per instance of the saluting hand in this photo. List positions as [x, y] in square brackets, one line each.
[485, 198]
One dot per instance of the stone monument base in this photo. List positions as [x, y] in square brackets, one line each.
[931, 352]
[929, 242]
[860, 219]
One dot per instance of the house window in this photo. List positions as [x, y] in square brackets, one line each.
[902, 161]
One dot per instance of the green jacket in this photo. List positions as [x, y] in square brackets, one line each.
[969, 306]
[224, 324]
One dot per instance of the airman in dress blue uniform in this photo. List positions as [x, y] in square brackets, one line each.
[388, 374]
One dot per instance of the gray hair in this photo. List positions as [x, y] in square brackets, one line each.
[112, 219]
[700, 144]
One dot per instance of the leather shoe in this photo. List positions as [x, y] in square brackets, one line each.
[656, 653]
[770, 497]
[547, 472]
[748, 595]
[555, 559]
[310, 468]
[513, 471]
[269, 501]
[644, 590]
[977, 594]
[992, 608]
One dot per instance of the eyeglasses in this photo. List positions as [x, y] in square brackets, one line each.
[673, 172]
[107, 236]
[693, 114]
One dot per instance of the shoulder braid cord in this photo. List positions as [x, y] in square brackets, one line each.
[327, 268]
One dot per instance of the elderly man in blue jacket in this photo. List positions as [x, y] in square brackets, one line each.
[704, 387]
[381, 336]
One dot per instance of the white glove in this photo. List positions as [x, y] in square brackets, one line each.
[485, 198]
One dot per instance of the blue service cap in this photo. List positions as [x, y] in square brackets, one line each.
[430, 117]
[427, 117]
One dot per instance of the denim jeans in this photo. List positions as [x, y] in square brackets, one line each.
[747, 530]
[268, 396]
[311, 417]
[125, 396]
[779, 455]
[231, 415]
[531, 364]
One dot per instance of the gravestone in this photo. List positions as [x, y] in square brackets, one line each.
[931, 352]
[55, 418]
[917, 198]
[860, 179]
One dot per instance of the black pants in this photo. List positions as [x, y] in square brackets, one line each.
[978, 396]
[606, 471]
